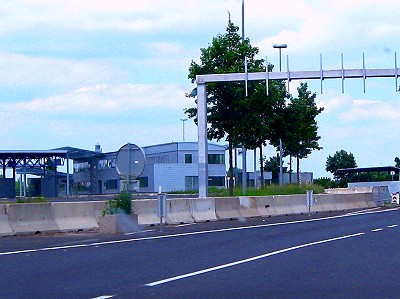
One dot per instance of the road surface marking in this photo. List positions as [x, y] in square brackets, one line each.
[96, 244]
[254, 258]
[104, 297]
[393, 225]
[376, 230]
[143, 231]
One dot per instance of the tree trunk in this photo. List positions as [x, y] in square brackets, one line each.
[261, 167]
[290, 169]
[298, 169]
[230, 182]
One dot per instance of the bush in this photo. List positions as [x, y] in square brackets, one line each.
[120, 204]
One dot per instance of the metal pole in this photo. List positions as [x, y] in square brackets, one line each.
[280, 47]
[67, 191]
[202, 140]
[183, 128]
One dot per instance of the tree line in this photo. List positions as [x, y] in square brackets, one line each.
[256, 119]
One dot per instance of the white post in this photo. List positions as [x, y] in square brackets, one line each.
[202, 139]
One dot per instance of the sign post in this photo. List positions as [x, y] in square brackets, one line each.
[310, 200]
[161, 208]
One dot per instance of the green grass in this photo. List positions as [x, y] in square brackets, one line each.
[266, 191]
[38, 199]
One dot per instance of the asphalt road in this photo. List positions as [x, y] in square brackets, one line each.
[323, 256]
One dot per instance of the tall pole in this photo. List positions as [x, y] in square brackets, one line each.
[280, 47]
[183, 128]
[244, 168]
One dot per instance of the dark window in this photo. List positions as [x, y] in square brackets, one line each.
[216, 159]
[111, 184]
[188, 159]
[144, 182]
[216, 181]
[191, 182]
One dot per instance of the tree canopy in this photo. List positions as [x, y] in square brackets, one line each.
[341, 159]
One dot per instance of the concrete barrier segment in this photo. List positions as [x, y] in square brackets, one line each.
[265, 206]
[326, 203]
[202, 209]
[5, 228]
[298, 203]
[32, 218]
[146, 210]
[75, 215]
[178, 211]
[227, 208]
[248, 207]
[282, 204]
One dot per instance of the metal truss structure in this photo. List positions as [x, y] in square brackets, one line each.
[33, 160]
[320, 74]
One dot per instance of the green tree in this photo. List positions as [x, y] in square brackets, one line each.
[272, 165]
[226, 102]
[300, 137]
[262, 115]
[340, 160]
[397, 161]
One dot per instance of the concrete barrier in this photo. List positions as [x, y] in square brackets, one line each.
[146, 210]
[324, 203]
[202, 209]
[32, 218]
[178, 211]
[248, 207]
[265, 206]
[354, 201]
[5, 228]
[75, 215]
[227, 208]
[282, 204]
[298, 204]
[370, 200]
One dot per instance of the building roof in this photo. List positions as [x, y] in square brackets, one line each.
[77, 153]
[370, 169]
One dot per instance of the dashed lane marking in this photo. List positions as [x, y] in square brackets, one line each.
[254, 258]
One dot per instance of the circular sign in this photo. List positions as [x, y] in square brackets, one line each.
[130, 161]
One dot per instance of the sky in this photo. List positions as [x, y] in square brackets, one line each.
[78, 73]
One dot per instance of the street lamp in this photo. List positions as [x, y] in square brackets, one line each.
[280, 47]
[183, 128]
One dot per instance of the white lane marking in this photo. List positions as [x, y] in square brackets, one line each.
[367, 211]
[104, 297]
[182, 225]
[254, 258]
[143, 231]
[183, 234]
[376, 230]
[393, 225]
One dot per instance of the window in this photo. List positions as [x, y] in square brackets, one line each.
[191, 182]
[216, 159]
[111, 184]
[143, 182]
[83, 166]
[107, 163]
[216, 181]
[188, 159]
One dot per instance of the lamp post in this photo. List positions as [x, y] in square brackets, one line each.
[280, 47]
[183, 128]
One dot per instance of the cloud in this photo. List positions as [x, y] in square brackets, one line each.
[17, 70]
[105, 99]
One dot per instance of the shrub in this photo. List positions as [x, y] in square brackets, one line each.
[120, 204]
